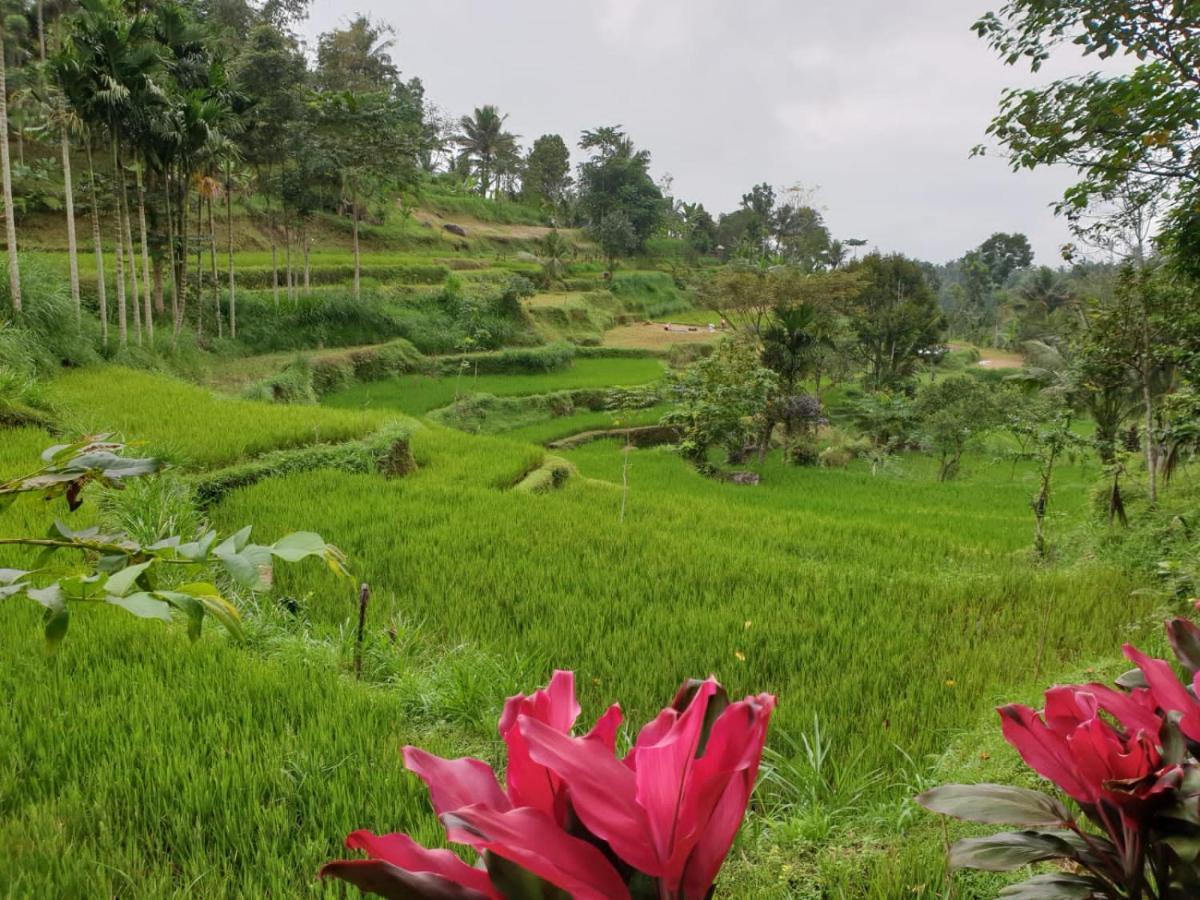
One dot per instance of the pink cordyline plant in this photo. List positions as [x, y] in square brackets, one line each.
[575, 819]
[1127, 759]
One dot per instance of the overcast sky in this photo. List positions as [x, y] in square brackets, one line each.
[875, 102]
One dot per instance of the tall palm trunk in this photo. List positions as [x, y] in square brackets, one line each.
[287, 257]
[98, 245]
[274, 248]
[357, 254]
[122, 312]
[212, 262]
[229, 228]
[304, 239]
[133, 274]
[199, 270]
[10, 222]
[146, 283]
[69, 200]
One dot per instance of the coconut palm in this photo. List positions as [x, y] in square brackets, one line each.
[483, 142]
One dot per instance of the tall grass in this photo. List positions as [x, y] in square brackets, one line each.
[191, 426]
[418, 394]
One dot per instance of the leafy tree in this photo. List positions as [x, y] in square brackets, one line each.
[618, 201]
[547, 172]
[270, 74]
[1042, 428]
[895, 317]
[372, 141]
[484, 144]
[1003, 254]
[801, 236]
[1136, 130]
[759, 204]
[952, 414]
[721, 401]
[699, 229]
[357, 58]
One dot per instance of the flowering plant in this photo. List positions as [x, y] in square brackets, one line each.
[1127, 759]
[575, 819]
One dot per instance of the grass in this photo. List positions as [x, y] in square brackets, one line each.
[195, 427]
[893, 609]
[419, 394]
[564, 426]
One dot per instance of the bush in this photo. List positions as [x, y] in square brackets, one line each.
[804, 452]
[516, 288]
[521, 360]
[293, 385]
[47, 336]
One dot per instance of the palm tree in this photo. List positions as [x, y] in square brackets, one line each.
[483, 142]
[105, 69]
[10, 222]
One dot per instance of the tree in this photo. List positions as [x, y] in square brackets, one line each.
[1003, 254]
[547, 171]
[615, 182]
[952, 414]
[895, 317]
[1133, 130]
[483, 143]
[371, 140]
[801, 237]
[270, 74]
[10, 224]
[721, 401]
[1042, 428]
[356, 58]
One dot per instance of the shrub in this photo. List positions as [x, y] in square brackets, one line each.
[516, 288]
[522, 360]
[667, 827]
[47, 336]
[293, 385]
[1127, 759]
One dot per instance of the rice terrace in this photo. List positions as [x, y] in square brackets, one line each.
[410, 488]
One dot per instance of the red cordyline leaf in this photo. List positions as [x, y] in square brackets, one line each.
[669, 810]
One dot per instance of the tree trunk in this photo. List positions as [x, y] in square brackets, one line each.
[127, 230]
[287, 262]
[97, 244]
[357, 255]
[274, 248]
[199, 267]
[304, 238]
[1151, 450]
[10, 222]
[157, 275]
[146, 284]
[229, 228]
[172, 248]
[69, 200]
[122, 311]
[212, 260]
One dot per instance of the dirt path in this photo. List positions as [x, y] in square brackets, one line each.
[991, 358]
[655, 335]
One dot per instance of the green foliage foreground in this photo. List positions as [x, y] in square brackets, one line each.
[892, 608]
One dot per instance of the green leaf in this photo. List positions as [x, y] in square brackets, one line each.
[143, 605]
[250, 568]
[298, 546]
[215, 605]
[54, 624]
[995, 804]
[51, 596]
[189, 606]
[120, 583]
[1186, 846]
[1011, 850]
[1055, 887]
[234, 543]
[82, 587]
